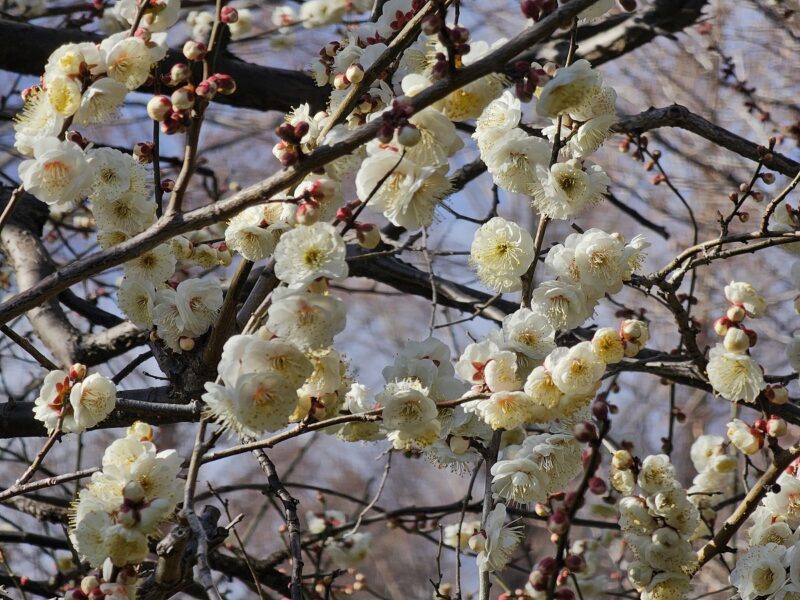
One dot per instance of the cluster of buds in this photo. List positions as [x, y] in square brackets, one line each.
[288, 149]
[396, 119]
[113, 583]
[537, 9]
[456, 40]
[174, 111]
[527, 77]
[353, 74]
[545, 570]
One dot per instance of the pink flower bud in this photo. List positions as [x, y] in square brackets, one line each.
[584, 431]
[206, 89]
[194, 50]
[432, 24]
[179, 73]
[564, 593]
[597, 486]
[722, 325]
[229, 15]
[158, 107]
[225, 83]
[182, 99]
[546, 566]
[341, 82]
[167, 185]
[558, 523]
[77, 372]
[143, 151]
[575, 563]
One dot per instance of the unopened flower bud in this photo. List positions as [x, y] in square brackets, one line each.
[355, 73]
[341, 82]
[776, 427]
[182, 99]
[133, 492]
[722, 325]
[228, 15]
[179, 73]
[584, 431]
[206, 89]
[736, 314]
[77, 372]
[368, 236]
[736, 340]
[477, 542]
[542, 509]
[558, 523]
[194, 50]
[167, 185]
[225, 83]
[89, 584]
[186, 344]
[597, 486]
[458, 445]
[622, 460]
[575, 563]
[143, 151]
[432, 25]
[633, 330]
[777, 394]
[158, 107]
[564, 593]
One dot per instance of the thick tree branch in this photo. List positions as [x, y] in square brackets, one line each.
[26, 47]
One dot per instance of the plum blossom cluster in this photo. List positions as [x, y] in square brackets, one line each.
[716, 471]
[657, 526]
[287, 370]
[771, 566]
[527, 379]
[732, 371]
[72, 402]
[110, 583]
[126, 503]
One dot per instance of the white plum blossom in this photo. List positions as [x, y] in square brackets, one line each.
[36, 121]
[501, 253]
[524, 331]
[409, 192]
[496, 542]
[562, 304]
[310, 252]
[310, 321]
[101, 102]
[734, 375]
[514, 159]
[760, 572]
[567, 188]
[744, 437]
[58, 173]
[498, 119]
